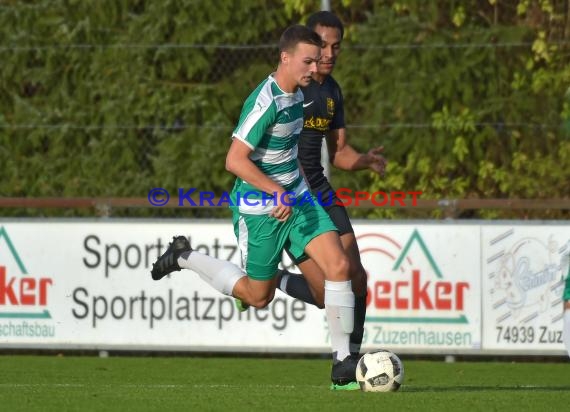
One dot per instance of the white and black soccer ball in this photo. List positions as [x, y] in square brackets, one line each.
[380, 371]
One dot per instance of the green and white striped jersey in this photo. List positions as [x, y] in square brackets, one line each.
[270, 124]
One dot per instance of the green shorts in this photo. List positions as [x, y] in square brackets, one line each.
[262, 238]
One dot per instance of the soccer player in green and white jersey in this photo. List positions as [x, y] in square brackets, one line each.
[263, 156]
[324, 118]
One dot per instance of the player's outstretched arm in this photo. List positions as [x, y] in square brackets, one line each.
[345, 157]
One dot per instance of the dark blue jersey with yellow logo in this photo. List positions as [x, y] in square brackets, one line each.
[323, 111]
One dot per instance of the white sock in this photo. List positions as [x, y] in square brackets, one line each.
[220, 274]
[339, 308]
[566, 331]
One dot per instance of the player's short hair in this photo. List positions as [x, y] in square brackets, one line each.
[327, 19]
[296, 34]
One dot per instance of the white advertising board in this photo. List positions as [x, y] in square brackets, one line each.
[89, 285]
[423, 287]
[432, 288]
[523, 279]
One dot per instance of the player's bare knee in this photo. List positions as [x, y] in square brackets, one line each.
[339, 269]
[567, 305]
[343, 267]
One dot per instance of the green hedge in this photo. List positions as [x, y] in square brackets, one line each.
[114, 97]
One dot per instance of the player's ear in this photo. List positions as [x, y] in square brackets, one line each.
[284, 57]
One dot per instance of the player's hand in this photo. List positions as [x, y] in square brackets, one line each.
[283, 210]
[376, 162]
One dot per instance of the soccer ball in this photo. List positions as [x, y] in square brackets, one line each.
[380, 371]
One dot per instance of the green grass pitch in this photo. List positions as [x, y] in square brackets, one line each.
[79, 383]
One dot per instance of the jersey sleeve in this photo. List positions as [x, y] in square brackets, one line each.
[256, 117]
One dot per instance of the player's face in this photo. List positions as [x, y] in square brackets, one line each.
[330, 50]
[302, 63]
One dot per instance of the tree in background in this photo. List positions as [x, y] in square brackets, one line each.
[468, 97]
[112, 98]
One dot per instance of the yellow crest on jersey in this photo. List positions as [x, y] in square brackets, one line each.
[330, 106]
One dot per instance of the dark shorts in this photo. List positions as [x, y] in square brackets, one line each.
[326, 196]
